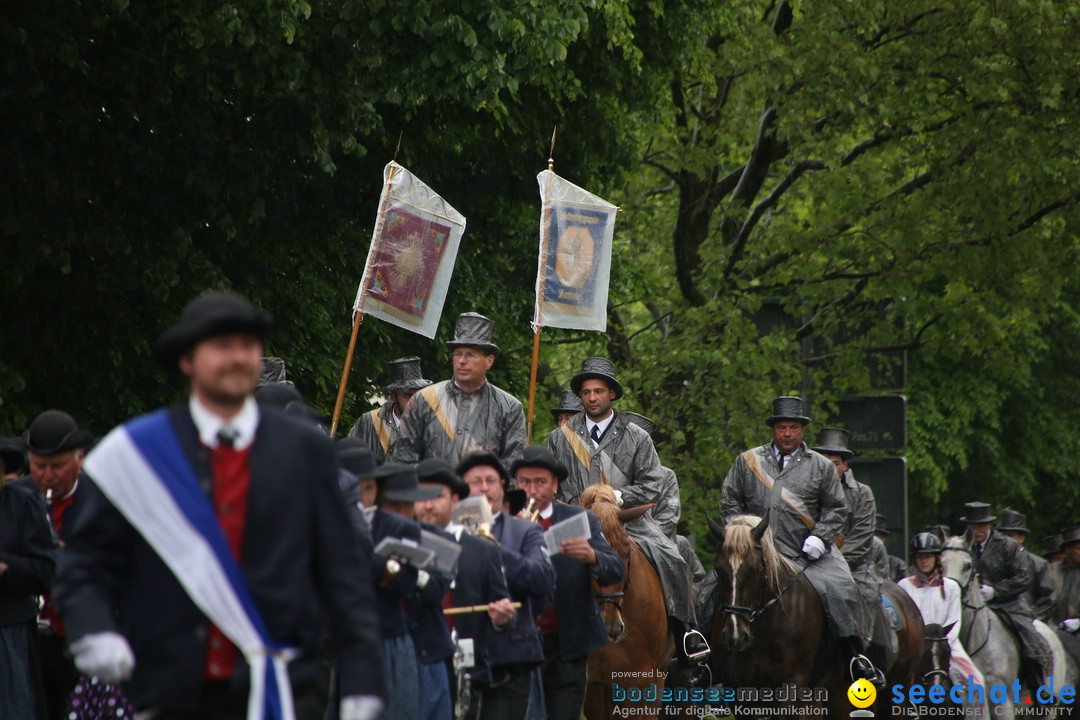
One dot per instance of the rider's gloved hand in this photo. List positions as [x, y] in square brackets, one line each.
[618, 498]
[360, 707]
[106, 655]
[987, 592]
[813, 547]
[1070, 624]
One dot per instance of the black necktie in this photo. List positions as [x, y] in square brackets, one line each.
[595, 434]
[226, 437]
[781, 461]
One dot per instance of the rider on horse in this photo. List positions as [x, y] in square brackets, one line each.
[1003, 573]
[800, 491]
[605, 446]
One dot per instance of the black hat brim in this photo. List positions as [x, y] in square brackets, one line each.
[578, 380]
[411, 495]
[773, 419]
[833, 450]
[408, 385]
[185, 335]
[489, 348]
[75, 440]
[482, 458]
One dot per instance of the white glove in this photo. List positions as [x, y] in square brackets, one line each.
[987, 592]
[618, 498]
[106, 655]
[360, 707]
[1070, 624]
[813, 547]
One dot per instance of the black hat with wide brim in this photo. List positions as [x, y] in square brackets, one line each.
[787, 407]
[399, 482]
[1070, 535]
[597, 368]
[11, 450]
[479, 458]
[977, 512]
[474, 330]
[356, 457]
[405, 375]
[834, 441]
[54, 431]
[435, 470]
[211, 314]
[569, 402]
[1013, 521]
[539, 456]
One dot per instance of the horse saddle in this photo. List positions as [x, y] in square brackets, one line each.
[896, 620]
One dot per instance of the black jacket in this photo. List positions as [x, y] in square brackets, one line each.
[28, 547]
[300, 560]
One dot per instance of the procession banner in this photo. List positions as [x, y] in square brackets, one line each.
[576, 229]
[411, 259]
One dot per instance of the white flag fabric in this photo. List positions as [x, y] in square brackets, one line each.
[576, 228]
[413, 250]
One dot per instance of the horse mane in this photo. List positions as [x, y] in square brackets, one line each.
[739, 544]
[600, 499]
[955, 543]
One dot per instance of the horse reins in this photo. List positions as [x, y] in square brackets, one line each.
[964, 587]
[615, 598]
[749, 614]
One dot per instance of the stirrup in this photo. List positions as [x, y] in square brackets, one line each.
[877, 679]
[700, 654]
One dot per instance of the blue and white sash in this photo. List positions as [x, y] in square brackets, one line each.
[141, 468]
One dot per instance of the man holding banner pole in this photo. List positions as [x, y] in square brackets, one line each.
[212, 565]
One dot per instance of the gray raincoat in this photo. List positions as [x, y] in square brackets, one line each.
[443, 421]
[379, 430]
[858, 547]
[627, 459]
[810, 484]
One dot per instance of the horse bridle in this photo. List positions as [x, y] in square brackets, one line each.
[615, 598]
[937, 671]
[751, 614]
[964, 587]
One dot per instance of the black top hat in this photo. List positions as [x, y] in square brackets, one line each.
[977, 512]
[1052, 544]
[11, 451]
[597, 368]
[399, 482]
[474, 330]
[834, 441]
[356, 457]
[881, 525]
[641, 421]
[1013, 521]
[213, 313]
[405, 375]
[1070, 535]
[539, 456]
[569, 402]
[435, 470]
[54, 431]
[482, 457]
[787, 407]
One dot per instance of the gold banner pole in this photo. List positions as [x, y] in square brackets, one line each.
[540, 293]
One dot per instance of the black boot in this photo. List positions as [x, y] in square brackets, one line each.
[860, 667]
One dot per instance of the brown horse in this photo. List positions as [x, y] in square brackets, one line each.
[628, 671]
[770, 629]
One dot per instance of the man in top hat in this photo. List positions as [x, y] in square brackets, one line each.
[889, 567]
[56, 446]
[479, 579]
[858, 544]
[602, 445]
[452, 418]
[571, 627]
[569, 405]
[799, 491]
[212, 553]
[1003, 572]
[1066, 610]
[1040, 590]
[531, 580]
[380, 428]
[1052, 549]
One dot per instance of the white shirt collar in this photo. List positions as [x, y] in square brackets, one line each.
[603, 425]
[209, 425]
[548, 511]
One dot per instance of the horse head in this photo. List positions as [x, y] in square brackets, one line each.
[600, 499]
[934, 669]
[958, 564]
[751, 576]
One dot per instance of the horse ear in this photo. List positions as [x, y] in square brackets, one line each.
[947, 629]
[759, 529]
[715, 528]
[628, 514]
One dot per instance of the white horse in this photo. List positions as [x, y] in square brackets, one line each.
[991, 645]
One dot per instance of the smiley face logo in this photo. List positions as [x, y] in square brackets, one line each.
[862, 693]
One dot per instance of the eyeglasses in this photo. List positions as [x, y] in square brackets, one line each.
[469, 355]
